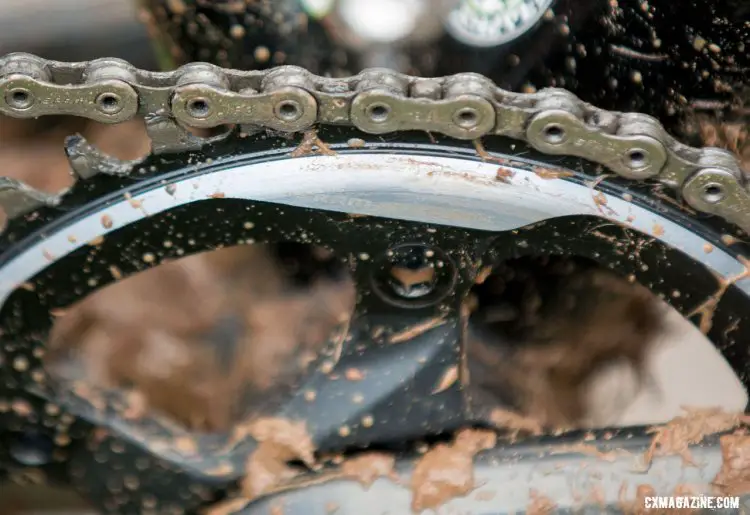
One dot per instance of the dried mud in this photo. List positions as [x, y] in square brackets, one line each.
[678, 434]
[447, 470]
[734, 476]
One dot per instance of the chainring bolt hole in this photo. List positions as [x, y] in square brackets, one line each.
[414, 275]
[19, 98]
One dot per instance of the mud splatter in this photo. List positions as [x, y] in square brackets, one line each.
[410, 277]
[280, 441]
[589, 450]
[550, 174]
[312, 144]
[483, 274]
[416, 330]
[354, 374]
[504, 175]
[447, 470]
[448, 379]
[540, 504]
[678, 434]
[290, 436]
[734, 476]
[707, 308]
[516, 423]
[368, 467]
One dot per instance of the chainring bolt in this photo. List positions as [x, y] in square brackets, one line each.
[413, 275]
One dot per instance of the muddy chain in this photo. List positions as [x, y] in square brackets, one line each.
[465, 106]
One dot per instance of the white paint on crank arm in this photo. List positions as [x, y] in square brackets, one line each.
[437, 190]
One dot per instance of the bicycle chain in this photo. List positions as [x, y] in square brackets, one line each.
[464, 106]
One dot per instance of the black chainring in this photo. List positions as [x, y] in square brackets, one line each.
[135, 466]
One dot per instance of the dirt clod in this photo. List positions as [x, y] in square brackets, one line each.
[311, 144]
[549, 173]
[706, 309]
[354, 374]
[447, 470]
[540, 504]
[368, 467]
[678, 434]
[448, 379]
[734, 476]
[280, 441]
[505, 419]
[416, 330]
[504, 175]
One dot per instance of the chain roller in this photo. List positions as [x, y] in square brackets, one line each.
[465, 106]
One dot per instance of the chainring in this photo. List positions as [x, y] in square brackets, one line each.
[424, 190]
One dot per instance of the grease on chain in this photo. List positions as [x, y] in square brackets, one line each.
[465, 106]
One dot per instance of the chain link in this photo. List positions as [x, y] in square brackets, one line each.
[465, 106]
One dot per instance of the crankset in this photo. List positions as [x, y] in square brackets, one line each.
[389, 172]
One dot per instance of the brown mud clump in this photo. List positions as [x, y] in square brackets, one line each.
[203, 338]
[680, 433]
[514, 423]
[734, 476]
[280, 441]
[541, 331]
[540, 504]
[447, 470]
[368, 467]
